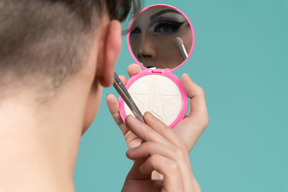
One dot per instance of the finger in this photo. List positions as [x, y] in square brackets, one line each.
[197, 97]
[198, 108]
[170, 170]
[162, 129]
[123, 79]
[151, 148]
[143, 131]
[133, 69]
[114, 110]
[147, 149]
[144, 185]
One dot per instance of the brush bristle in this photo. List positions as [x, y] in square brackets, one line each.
[178, 41]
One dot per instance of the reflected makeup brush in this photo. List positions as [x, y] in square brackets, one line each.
[179, 42]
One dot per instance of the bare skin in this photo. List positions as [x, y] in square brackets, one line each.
[39, 143]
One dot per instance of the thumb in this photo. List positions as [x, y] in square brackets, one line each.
[198, 107]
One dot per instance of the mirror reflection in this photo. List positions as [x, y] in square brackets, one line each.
[160, 37]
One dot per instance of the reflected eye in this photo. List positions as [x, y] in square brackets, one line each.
[167, 27]
[135, 31]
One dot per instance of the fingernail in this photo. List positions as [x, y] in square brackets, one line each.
[150, 115]
[147, 113]
[132, 118]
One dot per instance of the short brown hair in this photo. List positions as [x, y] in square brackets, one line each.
[47, 40]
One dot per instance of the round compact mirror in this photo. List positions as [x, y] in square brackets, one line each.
[160, 36]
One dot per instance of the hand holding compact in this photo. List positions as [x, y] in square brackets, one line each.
[188, 129]
[162, 151]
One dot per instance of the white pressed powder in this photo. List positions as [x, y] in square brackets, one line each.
[157, 94]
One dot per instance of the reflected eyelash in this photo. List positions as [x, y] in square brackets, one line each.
[176, 25]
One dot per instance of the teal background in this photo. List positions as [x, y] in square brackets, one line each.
[240, 59]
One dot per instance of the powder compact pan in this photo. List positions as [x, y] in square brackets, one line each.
[160, 39]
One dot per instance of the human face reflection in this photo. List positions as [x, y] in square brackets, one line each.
[152, 37]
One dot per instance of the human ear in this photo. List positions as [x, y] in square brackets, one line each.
[108, 54]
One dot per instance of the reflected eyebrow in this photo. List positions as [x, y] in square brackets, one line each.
[163, 12]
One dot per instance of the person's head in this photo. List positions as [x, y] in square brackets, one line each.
[45, 44]
[153, 33]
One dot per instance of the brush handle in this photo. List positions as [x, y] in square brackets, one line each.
[120, 88]
[182, 51]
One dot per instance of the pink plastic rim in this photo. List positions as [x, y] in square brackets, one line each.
[171, 76]
[163, 5]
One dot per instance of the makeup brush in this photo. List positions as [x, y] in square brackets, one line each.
[120, 88]
[180, 45]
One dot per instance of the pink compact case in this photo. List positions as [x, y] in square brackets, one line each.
[159, 38]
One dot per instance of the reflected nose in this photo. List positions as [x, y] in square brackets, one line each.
[146, 49]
